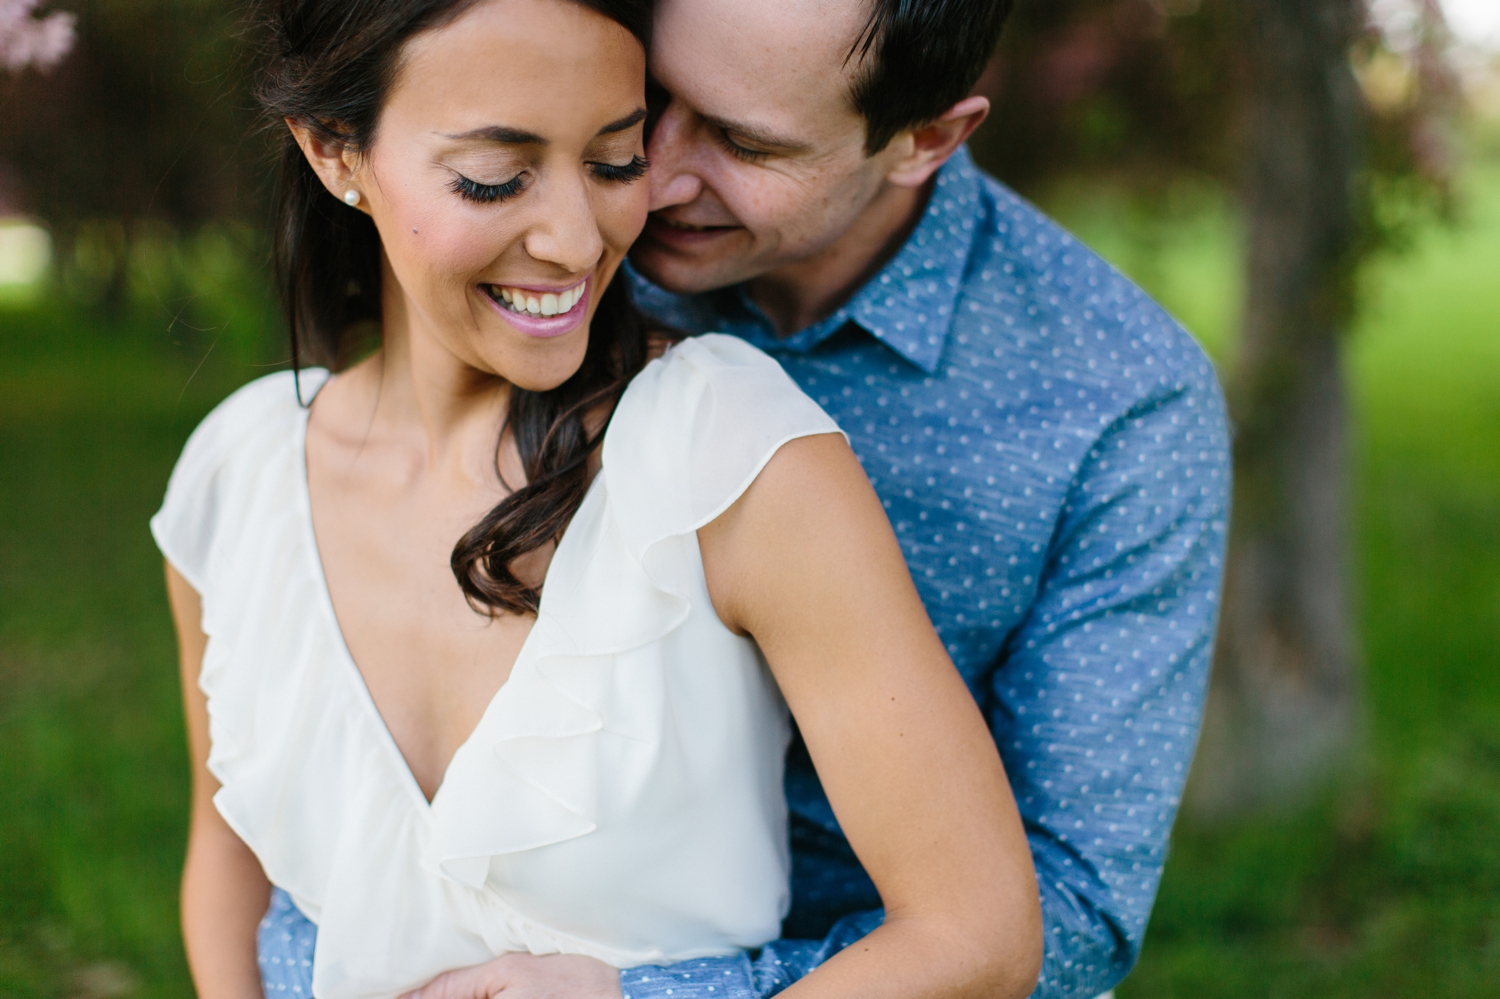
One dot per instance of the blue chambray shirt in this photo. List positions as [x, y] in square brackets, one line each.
[1052, 450]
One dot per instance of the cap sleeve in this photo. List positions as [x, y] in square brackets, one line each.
[694, 429]
[190, 516]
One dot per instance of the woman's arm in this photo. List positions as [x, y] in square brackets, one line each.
[806, 563]
[224, 891]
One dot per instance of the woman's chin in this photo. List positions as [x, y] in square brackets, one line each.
[537, 366]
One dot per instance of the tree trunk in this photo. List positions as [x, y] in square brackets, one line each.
[1283, 707]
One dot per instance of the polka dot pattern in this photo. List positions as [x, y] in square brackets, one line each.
[284, 942]
[1053, 453]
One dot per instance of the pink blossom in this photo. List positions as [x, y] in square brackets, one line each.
[27, 40]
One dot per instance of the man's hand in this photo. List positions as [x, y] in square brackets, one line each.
[526, 976]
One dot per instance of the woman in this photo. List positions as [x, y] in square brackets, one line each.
[472, 643]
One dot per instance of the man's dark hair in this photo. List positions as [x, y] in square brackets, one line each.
[918, 59]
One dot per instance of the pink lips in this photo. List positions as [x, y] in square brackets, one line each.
[545, 327]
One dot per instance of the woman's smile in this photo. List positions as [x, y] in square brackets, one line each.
[540, 311]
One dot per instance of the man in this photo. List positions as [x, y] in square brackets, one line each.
[1050, 446]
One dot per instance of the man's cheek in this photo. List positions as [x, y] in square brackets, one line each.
[787, 207]
[760, 213]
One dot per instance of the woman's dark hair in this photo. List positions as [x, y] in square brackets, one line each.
[330, 65]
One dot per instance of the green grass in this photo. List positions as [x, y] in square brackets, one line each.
[93, 784]
[1389, 885]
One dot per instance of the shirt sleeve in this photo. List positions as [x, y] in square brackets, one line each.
[187, 526]
[746, 976]
[1098, 699]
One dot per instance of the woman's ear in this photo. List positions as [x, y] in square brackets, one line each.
[333, 162]
[928, 147]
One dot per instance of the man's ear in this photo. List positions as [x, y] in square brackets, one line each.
[334, 163]
[928, 147]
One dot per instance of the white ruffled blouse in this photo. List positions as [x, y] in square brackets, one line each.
[621, 796]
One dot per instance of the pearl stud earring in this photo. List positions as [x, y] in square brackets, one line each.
[351, 197]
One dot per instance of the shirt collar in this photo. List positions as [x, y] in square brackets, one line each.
[909, 304]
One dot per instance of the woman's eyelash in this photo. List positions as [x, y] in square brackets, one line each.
[485, 194]
[634, 170]
[738, 151]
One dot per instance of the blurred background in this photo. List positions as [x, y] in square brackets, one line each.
[1311, 186]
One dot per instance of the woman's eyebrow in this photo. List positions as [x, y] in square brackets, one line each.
[521, 137]
[498, 133]
[621, 124]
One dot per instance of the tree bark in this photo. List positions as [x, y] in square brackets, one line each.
[1283, 708]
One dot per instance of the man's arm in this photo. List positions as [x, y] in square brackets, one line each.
[746, 976]
[1096, 705]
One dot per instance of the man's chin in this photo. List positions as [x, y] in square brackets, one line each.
[685, 270]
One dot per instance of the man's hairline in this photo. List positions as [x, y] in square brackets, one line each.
[787, 144]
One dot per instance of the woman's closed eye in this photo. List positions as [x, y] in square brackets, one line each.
[621, 173]
[484, 194]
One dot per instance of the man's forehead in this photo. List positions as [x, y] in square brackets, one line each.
[774, 61]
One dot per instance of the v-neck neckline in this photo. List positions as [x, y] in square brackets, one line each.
[351, 666]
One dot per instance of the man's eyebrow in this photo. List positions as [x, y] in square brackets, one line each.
[759, 135]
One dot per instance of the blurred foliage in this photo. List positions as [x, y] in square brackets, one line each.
[147, 118]
[1125, 87]
[1149, 94]
[206, 287]
[144, 132]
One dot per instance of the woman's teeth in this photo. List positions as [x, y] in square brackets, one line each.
[546, 304]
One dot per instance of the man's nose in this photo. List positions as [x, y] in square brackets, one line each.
[674, 181]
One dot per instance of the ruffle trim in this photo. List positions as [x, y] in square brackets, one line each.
[505, 929]
[261, 413]
[689, 436]
[536, 753]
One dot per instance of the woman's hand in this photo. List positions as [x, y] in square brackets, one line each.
[526, 976]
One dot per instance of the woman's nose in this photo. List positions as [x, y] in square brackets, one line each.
[565, 227]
